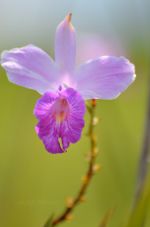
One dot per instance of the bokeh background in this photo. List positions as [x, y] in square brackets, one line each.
[34, 183]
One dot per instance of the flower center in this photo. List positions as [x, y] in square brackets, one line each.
[60, 109]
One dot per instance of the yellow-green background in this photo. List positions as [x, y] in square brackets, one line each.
[34, 183]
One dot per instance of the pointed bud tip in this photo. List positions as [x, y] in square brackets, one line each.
[68, 17]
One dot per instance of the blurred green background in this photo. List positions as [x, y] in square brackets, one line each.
[34, 183]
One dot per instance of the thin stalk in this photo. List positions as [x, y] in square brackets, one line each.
[92, 167]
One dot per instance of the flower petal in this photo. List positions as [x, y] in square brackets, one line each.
[30, 67]
[71, 129]
[65, 45]
[104, 78]
[60, 119]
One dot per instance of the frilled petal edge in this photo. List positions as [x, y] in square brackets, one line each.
[60, 119]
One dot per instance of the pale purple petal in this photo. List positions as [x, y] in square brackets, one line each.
[65, 45]
[60, 118]
[30, 67]
[104, 78]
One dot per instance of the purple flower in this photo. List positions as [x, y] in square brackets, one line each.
[61, 109]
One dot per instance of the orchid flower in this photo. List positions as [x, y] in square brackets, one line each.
[64, 88]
